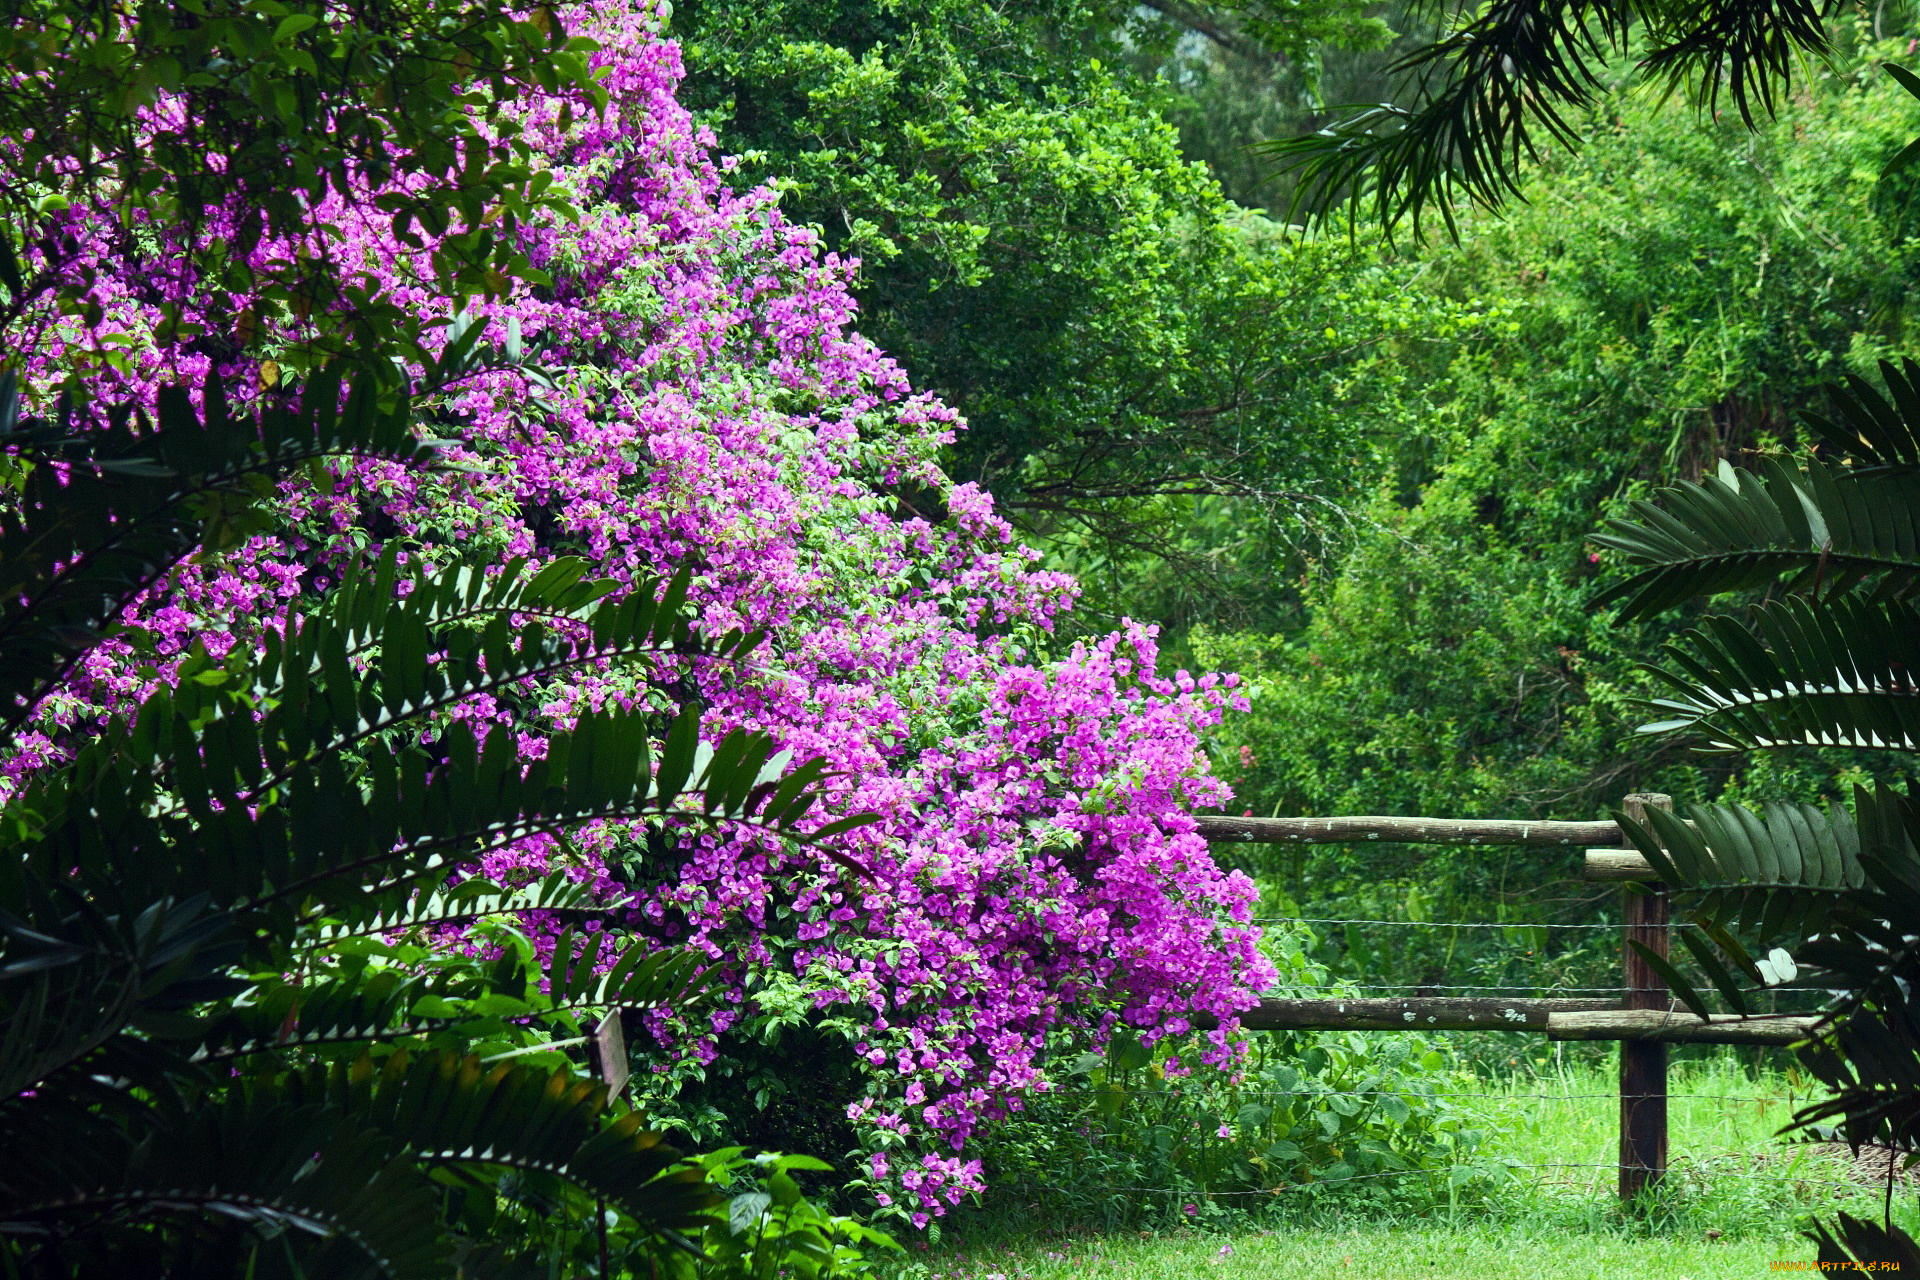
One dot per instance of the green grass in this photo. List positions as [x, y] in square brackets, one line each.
[1509, 1252]
[1735, 1202]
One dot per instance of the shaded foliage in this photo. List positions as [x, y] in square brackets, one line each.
[198, 1065]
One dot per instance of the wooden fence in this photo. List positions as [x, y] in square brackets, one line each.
[1645, 1022]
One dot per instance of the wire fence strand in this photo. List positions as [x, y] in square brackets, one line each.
[1439, 924]
[1402, 1093]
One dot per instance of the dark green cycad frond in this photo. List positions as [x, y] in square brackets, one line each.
[335, 839]
[1782, 872]
[323, 704]
[1869, 950]
[639, 978]
[439, 904]
[329, 1009]
[266, 1157]
[1835, 673]
[107, 512]
[1490, 96]
[1868, 426]
[74, 973]
[364, 604]
[276, 800]
[446, 1109]
[1513, 69]
[1869, 1054]
[1865, 1246]
[1826, 528]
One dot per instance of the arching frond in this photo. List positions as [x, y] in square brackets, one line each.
[1510, 79]
[1838, 673]
[1775, 873]
[1825, 528]
[1874, 429]
[264, 1156]
[451, 1110]
[110, 511]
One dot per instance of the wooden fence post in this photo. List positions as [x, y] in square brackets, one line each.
[1643, 1063]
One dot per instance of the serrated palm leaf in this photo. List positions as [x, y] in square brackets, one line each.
[1776, 873]
[274, 1161]
[124, 508]
[1824, 527]
[445, 1109]
[641, 977]
[1878, 430]
[334, 837]
[1865, 1246]
[1836, 673]
[461, 903]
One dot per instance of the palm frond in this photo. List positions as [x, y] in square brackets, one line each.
[266, 1157]
[1824, 528]
[1866, 1246]
[1490, 96]
[440, 905]
[451, 1110]
[73, 975]
[327, 1010]
[1833, 673]
[108, 512]
[1516, 67]
[1873, 429]
[1776, 873]
[1743, 48]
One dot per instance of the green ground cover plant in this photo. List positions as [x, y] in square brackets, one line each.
[1739, 1195]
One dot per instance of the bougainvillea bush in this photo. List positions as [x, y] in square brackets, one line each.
[680, 384]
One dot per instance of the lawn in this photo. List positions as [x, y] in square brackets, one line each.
[1734, 1203]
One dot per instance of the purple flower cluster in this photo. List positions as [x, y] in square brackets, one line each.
[693, 394]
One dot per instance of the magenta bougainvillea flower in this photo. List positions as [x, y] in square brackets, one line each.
[693, 393]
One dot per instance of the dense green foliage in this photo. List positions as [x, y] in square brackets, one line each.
[1671, 294]
[1316, 1120]
[1037, 250]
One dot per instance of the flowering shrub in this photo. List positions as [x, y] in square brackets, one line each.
[1310, 1118]
[682, 388]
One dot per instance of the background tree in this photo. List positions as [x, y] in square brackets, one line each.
[1673, 293]
[1131, 350]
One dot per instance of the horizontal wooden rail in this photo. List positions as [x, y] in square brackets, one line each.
[1560, 1019]
[1413, 1013]
[1617, 864]
[1220, 828]
[1677, 1028]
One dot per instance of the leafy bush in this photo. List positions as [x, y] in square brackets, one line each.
[1137, 1137]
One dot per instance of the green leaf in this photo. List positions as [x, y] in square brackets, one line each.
[1675, 980]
